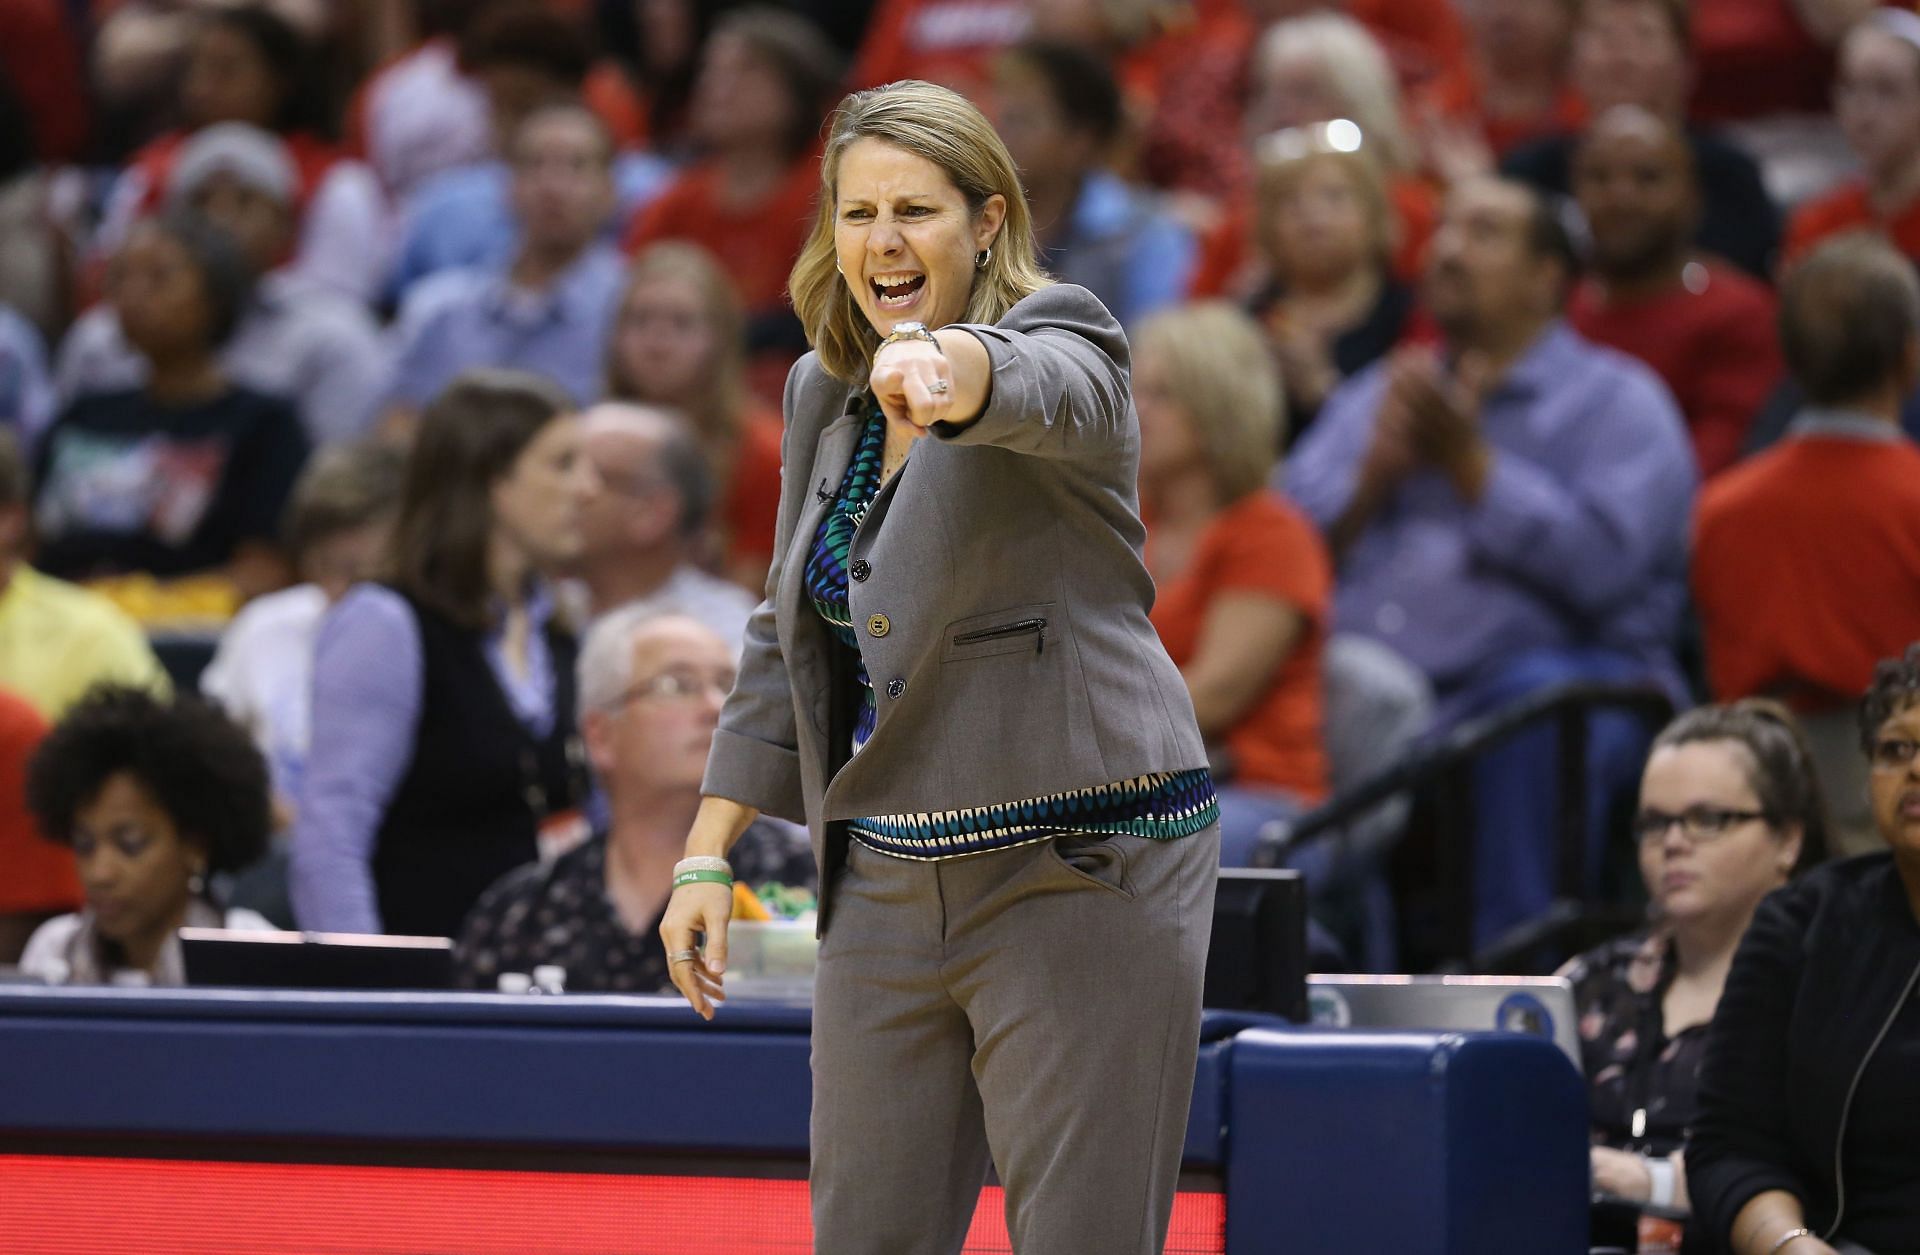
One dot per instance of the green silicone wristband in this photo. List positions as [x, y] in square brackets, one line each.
[702, 877]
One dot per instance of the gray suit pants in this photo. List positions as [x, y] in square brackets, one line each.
[1036, 1008]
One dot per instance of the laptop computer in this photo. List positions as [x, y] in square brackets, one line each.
[285, 960]
[1541, 1006]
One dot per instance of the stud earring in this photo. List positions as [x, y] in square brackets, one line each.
[981, 258]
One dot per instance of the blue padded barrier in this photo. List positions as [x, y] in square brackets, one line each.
[1405, 1144]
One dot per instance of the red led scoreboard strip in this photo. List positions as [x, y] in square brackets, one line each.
[55, 1205]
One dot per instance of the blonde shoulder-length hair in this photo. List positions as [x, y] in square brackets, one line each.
[945, 128]
[1224, 378]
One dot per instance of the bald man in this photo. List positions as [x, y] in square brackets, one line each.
[646, 524]
[1704, 326]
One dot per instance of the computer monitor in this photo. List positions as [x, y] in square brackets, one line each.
[282, 960]
[1258, 959]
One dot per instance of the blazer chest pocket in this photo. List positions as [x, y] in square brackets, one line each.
[1018, 629]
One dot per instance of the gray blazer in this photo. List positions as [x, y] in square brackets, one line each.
[1029, 513]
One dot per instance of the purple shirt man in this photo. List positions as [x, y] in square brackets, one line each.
[1577, 541]
[1510, 516]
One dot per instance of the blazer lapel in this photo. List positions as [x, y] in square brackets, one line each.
[807, 645]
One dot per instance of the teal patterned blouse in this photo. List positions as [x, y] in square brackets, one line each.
[1162, 806]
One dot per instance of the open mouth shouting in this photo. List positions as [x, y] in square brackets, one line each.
[897, 291]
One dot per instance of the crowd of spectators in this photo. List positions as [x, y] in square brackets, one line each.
[422, 361]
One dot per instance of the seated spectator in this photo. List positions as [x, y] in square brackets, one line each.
[1804, 1145]
[1060, 114]
[296, 339]
[546, 310]
[647, 521]
[526, 58]
[1705, 327]
[26, 394]
[189, 473]
[1516, 87]
[764, 86]
[37, 878]
[338, 531]
[680, 343]
[651, 685]
[1323, 67]
[1244, 587]
[1329, 303]
[56, 640]
[1729, 809]
[1877, 100]
[153, 797]
[1510, 521]
[1806, 563]
[1635, 52]
[443, 701]
[245, 63]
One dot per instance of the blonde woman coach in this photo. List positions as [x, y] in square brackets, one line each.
[954, 682]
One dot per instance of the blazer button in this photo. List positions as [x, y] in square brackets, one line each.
[895, 687]
[877, 625]
[860, 570]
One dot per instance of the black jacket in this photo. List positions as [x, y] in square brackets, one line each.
[1823, 970]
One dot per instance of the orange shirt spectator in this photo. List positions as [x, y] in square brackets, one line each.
[1262, 544]
[37, 877]
[1806, 566]
[1806, 557]
[1712, 338]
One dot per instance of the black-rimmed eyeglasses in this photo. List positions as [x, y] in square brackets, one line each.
[1697, 823]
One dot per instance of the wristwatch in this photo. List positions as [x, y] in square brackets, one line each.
[910, 331]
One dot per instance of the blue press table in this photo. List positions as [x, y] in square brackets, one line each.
[1323, 1141]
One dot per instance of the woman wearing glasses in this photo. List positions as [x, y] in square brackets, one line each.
[1729, 808]
[1806, 1139]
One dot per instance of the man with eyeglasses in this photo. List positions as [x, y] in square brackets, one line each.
[651, 685]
